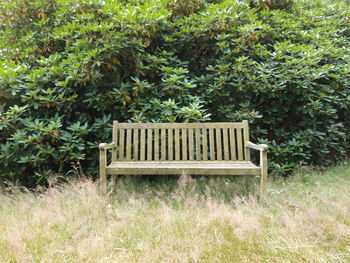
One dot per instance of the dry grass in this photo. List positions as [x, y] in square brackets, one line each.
[304, 219]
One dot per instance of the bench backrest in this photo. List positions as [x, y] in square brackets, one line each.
[180, 141]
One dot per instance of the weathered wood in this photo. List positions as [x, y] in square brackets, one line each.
[156, 144]
[174, 162]
[121, 144]
[163, 144]
[170, 144]
[239, 144]
[233, 144]
[259, 147]
[246, 139]
[263, 175]
[190, 144]
[143, 144]
[128, 144]
[177, 144]
[211, 144]
[187, 167]
[198, 144]
[136, 145]
[149, 145]
[103, 172]
[226, 144]
[114, 139]
[180, 125]
[106, 146]
[218, 144]
[184, 144]
[182, 149]
[205, 144]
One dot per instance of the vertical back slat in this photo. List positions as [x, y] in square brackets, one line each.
[156, 144]
[198, 144]
[121, 144]
[128, 144]
[239, 144]
[211, 144]
[233, 144]
[218, 144]
[136, 145]
[115, 139]
[149, 144]
[184, 144]
[190, 144]
[142, 145]
[205, 144]
[170, 145]
[177, 144]
[226, 145]
[163, 144]
[245, 139]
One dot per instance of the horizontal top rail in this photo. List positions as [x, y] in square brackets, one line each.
[203, 125]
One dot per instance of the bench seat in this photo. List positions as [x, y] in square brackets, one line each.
[184, 167]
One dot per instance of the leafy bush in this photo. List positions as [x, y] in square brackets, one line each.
[68, 68]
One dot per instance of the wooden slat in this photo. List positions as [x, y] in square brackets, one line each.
[115, 139]
[233, 144]
[121, 144]
[239, 144]
[188, 163]
[163, 144]
[205, 144]
[218, 144]
[177, 144]
[246, 139]
[181, 125]
[190, 144]
[156, 144]
[149, 145]
[170, 145]
[198, 144]
[190, 167]
[181, 170]
[211, 144]
[142, 144]
[226, 144]
[128, 144]
[184, 143]
[136, 145]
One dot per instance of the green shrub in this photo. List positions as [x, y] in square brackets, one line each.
[68, 68]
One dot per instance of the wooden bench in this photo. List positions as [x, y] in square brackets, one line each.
[182, 148]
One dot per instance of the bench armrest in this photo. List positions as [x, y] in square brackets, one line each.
[103, 162]
[259, 147]
[263, 163]
[106, 146]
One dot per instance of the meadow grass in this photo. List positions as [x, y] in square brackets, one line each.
[305, 218]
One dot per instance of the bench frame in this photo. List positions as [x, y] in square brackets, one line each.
[261, 170]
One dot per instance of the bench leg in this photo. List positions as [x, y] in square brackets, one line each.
[103, 175]
[263, 175]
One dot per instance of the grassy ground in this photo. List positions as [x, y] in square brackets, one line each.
[303, 219]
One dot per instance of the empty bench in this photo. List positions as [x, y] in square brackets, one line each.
[182, 148]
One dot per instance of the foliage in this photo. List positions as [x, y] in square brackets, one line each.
[68, 68]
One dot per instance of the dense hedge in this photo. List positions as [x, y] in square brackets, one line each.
[68, 68]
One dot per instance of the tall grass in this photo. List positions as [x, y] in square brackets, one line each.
[305, 218]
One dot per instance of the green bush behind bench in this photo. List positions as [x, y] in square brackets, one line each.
[68, 68]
